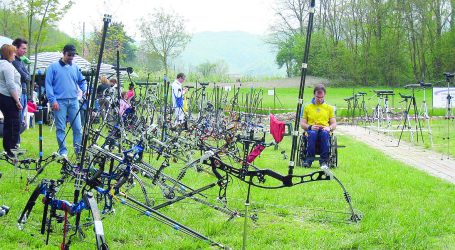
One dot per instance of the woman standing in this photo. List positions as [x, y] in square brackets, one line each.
[10, 91]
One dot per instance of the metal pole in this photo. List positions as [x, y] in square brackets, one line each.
[119, 118]
[245, 224]
[298, 113]
[274, 97]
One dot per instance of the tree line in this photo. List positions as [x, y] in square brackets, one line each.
[387, 42]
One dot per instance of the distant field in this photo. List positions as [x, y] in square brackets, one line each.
[441, 139]
[286, 98]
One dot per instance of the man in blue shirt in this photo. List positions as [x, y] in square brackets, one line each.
[62, 81]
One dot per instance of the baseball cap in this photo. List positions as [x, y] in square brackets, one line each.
[69, 48]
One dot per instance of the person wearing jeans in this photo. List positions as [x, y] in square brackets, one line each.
[62, 81]
[68, 107]
[318, 120]
[21, 50]
[178, 98]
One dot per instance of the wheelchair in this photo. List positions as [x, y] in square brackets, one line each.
[333, 150]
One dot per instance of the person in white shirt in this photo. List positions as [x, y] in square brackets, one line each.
[10, 92]
[178, 98]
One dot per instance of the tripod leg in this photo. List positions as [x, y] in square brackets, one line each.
[405, 122]
[416, 116]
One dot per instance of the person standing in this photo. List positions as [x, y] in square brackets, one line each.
[21, 50]
[62, 81]
[10, 92]
[177, 98]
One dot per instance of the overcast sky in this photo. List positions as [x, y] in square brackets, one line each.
[252, 16]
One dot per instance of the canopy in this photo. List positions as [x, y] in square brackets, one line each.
[5, 40]
[44, 59]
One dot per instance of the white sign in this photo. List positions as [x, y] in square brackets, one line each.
[271, 92]
[440, 97]
[227, 88]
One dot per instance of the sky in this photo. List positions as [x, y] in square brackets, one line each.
[253, 16]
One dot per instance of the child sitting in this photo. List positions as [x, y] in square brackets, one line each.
[124, 103]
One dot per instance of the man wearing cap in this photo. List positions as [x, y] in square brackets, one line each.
[318, 120]
[62, 80]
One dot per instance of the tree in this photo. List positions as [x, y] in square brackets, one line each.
[208, 69]
[363, 41]
[285, 56]
[165, 35]
[116, 39]
[47, 12]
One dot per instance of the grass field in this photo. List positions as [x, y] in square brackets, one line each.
[403, 208]
[441, 138]
[286, 98]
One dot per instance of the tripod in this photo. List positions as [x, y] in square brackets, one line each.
[354, 107]
[348, 100]
[380, 111]
[410, 100]
[449, 112]
[406, 122]
[363, 113]
[424, 109]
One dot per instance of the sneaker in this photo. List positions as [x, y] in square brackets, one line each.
[307, 165]
[324, 165]
[18, 151]
[326, 170]
[9, 154]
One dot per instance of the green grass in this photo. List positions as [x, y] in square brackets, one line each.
[403, 208]
[442, 133]
[286, 98]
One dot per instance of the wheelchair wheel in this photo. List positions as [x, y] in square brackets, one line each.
[333, 158]
[302, 151]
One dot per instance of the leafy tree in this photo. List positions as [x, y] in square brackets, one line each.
[365, 41]
[46, 12]
[285, 56]
[206, 69]
[116, 39]
[165, 35]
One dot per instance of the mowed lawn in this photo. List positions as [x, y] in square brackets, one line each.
[285, 99]
[438, 135]
[402, 208]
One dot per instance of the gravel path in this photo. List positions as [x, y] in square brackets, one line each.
[416, 156]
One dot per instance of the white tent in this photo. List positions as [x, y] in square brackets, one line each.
[109, 71]
[5, 40]
[44, 59]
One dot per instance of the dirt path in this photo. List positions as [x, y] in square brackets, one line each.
[418, 157]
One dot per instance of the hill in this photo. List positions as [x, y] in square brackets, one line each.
[245, 53]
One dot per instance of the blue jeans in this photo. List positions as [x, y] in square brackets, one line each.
[70, 108]
[324, 145]
[22, 112]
